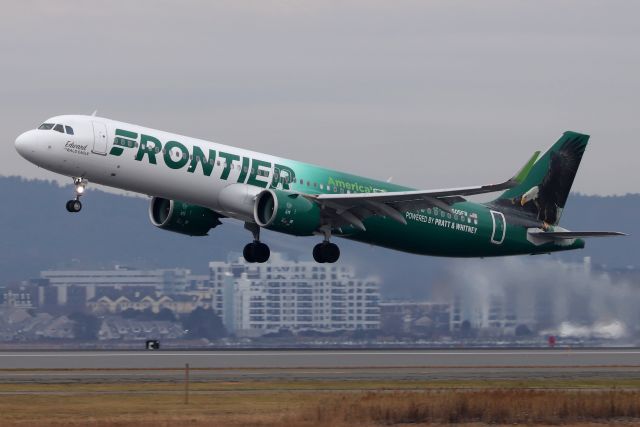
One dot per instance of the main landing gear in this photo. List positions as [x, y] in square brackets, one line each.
[326, 251]
[255, 251]
[74, 205]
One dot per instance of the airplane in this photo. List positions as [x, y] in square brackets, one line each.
[195, 183]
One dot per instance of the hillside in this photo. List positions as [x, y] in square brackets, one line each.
[37, 233]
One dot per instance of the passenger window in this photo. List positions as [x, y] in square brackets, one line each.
[46, 126]
[59, 128]
[69, 130]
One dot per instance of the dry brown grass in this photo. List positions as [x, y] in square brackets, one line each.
[291, 408]
[487, 406]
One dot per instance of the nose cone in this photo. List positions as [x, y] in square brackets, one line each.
[26, 143]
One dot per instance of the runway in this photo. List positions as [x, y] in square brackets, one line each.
[401, 365]
[320, 359]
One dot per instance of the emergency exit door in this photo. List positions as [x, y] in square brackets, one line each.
[99, 138]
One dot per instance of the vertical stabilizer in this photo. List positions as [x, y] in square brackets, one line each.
[542, 194]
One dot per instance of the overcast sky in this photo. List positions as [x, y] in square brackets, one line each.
[433, 93]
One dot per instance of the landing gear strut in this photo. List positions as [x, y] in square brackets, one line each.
[326, 251]
[255, 251]
[74, 205]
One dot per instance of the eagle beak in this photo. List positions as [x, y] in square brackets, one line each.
[523, 201]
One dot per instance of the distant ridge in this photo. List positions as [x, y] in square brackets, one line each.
[37, 233]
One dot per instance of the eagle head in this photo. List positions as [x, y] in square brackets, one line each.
[532, 194]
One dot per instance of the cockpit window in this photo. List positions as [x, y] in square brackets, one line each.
[69, 129]
[46, 126]
[59, 128]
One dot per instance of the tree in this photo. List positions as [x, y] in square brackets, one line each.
[201, 323]
[165, 314]
[466, 330]
[522, 331]
[85, 327]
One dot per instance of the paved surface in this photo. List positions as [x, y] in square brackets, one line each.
[320, 359]
[396, 365]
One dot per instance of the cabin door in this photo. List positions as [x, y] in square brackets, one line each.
[499, 227]
[99, 138]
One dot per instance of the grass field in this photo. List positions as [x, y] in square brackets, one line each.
[322, 403]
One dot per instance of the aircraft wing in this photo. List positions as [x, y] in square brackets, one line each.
[402, 196]
[353, 208]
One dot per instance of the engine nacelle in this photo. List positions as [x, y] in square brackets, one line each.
[286, 212]
[181, 217]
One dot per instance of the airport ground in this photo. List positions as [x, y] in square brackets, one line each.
[315, 388]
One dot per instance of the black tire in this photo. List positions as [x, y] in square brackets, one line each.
[248, 253]
[74, 206]
[331, 253]
[262, 252]
[318, 253]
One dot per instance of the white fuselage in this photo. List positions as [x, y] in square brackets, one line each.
[88, 154]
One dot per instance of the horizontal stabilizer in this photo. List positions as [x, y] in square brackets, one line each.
[562, 237]
[579, 234]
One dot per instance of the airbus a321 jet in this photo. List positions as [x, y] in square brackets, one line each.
[194, 183]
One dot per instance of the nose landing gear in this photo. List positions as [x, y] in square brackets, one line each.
[74, 205]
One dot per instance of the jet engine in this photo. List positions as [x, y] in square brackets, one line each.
[286, 212]
[181, 217]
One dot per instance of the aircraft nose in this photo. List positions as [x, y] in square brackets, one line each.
[26, 143]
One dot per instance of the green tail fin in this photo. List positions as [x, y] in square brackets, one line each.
[545, 185]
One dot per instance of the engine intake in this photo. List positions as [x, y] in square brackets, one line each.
[183, 218]
[286, 212]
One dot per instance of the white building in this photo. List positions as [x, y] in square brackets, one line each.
[256, 299]
[167, 281]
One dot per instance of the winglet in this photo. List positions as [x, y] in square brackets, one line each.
[522, 173]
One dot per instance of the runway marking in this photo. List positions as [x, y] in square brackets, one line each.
[330, 353]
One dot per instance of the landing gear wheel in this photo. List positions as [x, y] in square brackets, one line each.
[326, 252]
[74, 206]
[256, 252]
[317, 256]
[247, 253]
[263, 252]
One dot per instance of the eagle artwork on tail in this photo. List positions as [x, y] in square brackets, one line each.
[547, 199]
